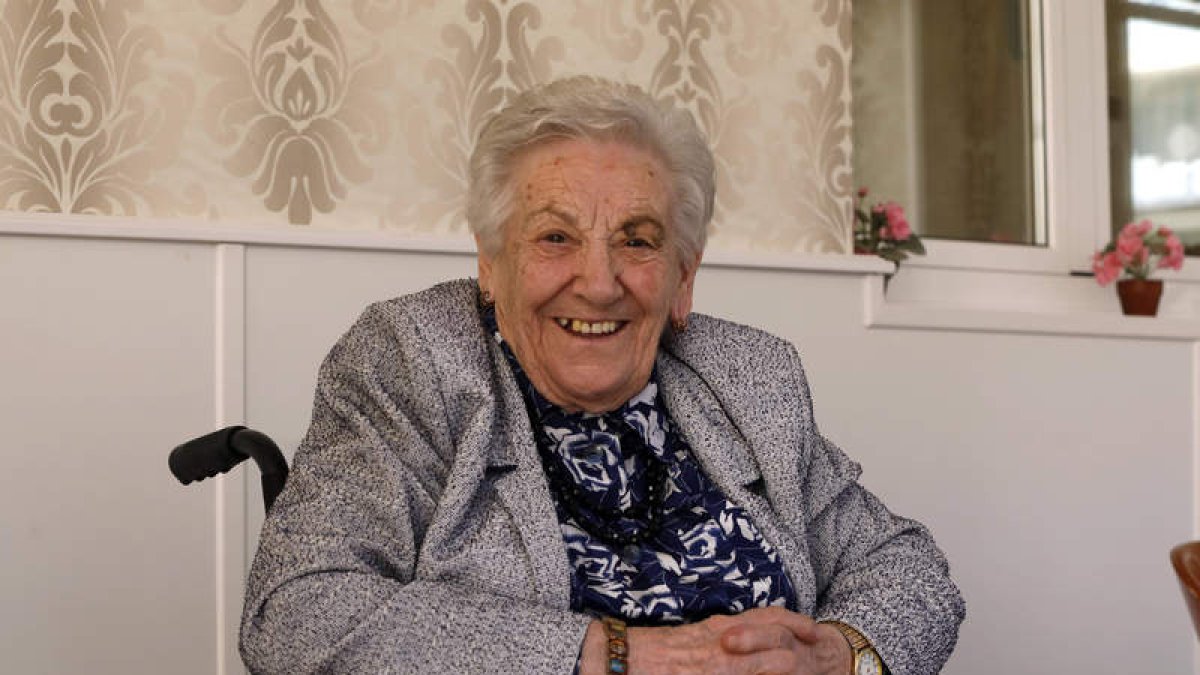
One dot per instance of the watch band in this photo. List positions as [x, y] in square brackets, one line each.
[857, 640]
[865, 658]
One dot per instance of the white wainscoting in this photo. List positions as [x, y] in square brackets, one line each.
[1056, 467]
[106, 361]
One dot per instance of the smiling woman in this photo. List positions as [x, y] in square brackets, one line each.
[501, 475]
[589, 271]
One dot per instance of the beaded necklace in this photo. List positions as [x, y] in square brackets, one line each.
[642, 520]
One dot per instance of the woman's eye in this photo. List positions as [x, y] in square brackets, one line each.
[647, 244]
[554, 238]
[640, 235]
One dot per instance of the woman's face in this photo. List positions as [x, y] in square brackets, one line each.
[589, 271]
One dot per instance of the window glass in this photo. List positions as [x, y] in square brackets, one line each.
[946, 112]
[1154, 85]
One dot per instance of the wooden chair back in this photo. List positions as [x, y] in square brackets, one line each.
[1186, 560]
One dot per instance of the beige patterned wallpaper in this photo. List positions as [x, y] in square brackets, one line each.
[359, 114]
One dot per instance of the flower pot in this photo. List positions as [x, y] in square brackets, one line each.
[1140, 297]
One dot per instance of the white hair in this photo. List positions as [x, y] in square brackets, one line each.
[596, 109]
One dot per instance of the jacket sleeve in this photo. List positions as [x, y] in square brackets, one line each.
[876, 571]
[333, 586]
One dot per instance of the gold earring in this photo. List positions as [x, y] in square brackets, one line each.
[679, 324]
[486, 297]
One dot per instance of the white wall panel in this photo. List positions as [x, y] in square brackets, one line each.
[106, 564]
[1053, 478]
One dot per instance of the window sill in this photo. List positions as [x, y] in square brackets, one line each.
[1050, 317]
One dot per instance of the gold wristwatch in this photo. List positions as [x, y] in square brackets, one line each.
[866, 659]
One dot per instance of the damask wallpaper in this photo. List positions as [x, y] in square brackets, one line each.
[360, 114]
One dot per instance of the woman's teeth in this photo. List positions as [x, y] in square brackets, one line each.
[588, 327]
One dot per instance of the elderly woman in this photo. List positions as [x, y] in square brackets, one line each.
[559, 467]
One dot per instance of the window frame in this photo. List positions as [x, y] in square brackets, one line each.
[1074, 195]
[1118, 12]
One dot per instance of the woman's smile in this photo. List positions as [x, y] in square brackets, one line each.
[583, 327]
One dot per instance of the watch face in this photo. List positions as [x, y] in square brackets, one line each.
[867, 663]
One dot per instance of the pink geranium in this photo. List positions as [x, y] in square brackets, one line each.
[897, 224]
[883, 229]
[1107, 267]
[1173, 258]
[1138, 250]
[1131, 250]
[1139, 229]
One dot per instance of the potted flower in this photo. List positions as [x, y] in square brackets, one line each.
[1138, 250]
[883, 230]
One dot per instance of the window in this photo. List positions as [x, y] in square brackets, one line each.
[979, 283]
[947, 111]
[1154, 114]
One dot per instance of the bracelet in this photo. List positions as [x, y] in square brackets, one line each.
[618, 647]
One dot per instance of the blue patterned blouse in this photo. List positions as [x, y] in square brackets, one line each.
[649, 537]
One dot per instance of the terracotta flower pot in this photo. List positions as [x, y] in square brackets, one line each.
[1140, 297]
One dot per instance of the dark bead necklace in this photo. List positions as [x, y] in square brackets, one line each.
[605, 523]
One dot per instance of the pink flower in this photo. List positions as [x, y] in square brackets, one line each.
[862, 192]
[1131, 249]
[1173, 259]
[1139, 229]
[1136, 245]
[897, 227]
[1107, 267]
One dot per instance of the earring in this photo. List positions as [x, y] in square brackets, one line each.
[679, 324]
[486, 297]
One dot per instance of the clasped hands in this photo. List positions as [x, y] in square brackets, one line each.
[761, 641]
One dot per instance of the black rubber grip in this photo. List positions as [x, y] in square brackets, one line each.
[206, 456]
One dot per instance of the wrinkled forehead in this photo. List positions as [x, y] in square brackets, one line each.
[591, 175]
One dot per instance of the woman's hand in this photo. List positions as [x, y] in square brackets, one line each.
[764, 641]
[804, 645]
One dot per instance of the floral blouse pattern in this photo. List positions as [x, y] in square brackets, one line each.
[705, 556]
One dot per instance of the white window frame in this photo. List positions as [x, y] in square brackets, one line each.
[989, 287]
[1074, 131]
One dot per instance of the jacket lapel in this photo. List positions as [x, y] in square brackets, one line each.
[520, 482]
[728, 458]
[717, 443]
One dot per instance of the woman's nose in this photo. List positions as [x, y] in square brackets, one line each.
[599, 277]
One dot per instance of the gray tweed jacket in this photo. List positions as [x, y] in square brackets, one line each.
[417, 533]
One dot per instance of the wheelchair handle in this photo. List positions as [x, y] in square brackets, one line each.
[218, 452]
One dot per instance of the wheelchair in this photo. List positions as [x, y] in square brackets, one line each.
[218, 452]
